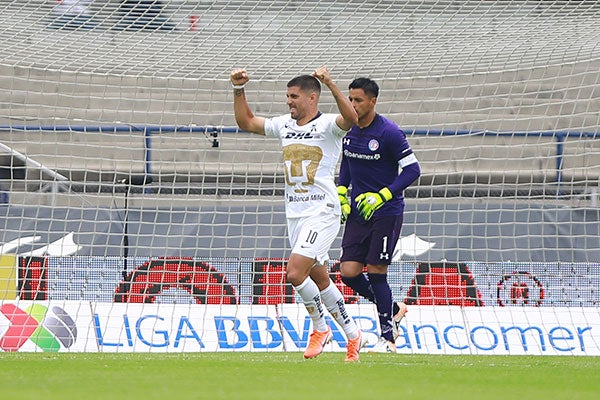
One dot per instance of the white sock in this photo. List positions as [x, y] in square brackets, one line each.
[309, 291]
[334, 301]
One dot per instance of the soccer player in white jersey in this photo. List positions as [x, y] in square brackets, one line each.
[312, 145]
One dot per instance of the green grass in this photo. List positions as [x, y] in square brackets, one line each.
[288, 376]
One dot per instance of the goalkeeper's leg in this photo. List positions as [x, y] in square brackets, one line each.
[383, 301]
[361, 285]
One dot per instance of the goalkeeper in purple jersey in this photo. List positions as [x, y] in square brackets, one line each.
[377, 165]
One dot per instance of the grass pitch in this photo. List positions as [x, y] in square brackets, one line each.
[287, 376]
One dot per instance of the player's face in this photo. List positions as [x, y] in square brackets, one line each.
[299, 103]
[362, 103]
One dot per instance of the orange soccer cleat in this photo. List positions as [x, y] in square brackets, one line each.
[353, 347]
[316, 343]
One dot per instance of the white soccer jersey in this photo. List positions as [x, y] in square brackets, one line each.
[310, 156]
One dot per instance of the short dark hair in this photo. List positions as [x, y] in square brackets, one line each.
[306, 83]
[367, 85]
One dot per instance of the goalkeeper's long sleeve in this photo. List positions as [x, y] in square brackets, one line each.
[409, 174]
[344, 175]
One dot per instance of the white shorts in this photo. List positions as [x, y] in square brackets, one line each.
[313, 236]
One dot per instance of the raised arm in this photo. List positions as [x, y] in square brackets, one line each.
[348, 116]
[244, 117]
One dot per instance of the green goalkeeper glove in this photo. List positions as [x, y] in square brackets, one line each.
[369, 202]
[343, 196]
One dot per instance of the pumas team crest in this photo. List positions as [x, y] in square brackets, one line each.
[373, 144]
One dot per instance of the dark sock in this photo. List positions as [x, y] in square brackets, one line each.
[383, 299]
[360, 285]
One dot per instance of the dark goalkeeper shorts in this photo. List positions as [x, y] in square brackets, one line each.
[371, 242]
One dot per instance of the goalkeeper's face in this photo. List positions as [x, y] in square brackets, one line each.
[363, 104]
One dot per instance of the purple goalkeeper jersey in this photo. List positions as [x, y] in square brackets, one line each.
[371, 160]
